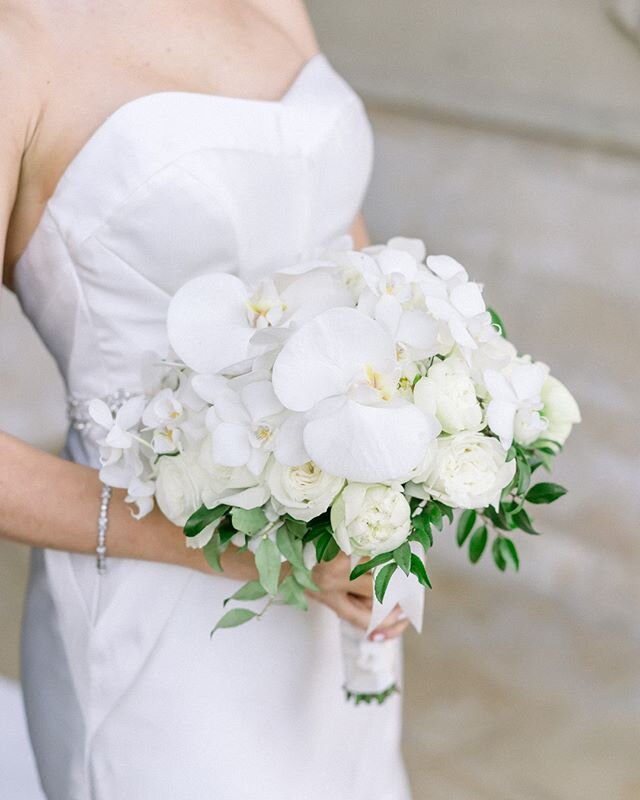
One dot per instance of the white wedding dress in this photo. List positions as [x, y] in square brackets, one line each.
[127, 696]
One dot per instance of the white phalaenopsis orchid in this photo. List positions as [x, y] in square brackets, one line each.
[212, 319]
[119, 445]
[462, 304]
[514, 409]
[341, 370]
[243, 419]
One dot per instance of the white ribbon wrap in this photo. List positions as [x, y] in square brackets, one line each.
[372, 668]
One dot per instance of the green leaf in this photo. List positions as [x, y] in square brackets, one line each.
[495, 319]
[321, 543]
[498, 519]
[268, 565]
[296, 527]
[248, 521]
[509, 552]
[545, 493]
[446, 510]
[331, 550]
[235, 617]
[434, 513]
[290, 547]
[402, 557]
[477, 543]
[423, 536]
[204, 516]
[382, 580]
[211, 552]
[524, 476]
[419, 570]
[511, 454]
[465, 525]
[496, 552]
[303, 576]
[361, 569]
[292, 593]
[253, 590]
[523, 521]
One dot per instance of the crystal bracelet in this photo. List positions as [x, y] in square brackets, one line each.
[103, 524]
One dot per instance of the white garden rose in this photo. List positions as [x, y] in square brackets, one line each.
[368, 519]
[448, 391]
[559, 409]
[179, 484]
[304, 491]
[470, 471]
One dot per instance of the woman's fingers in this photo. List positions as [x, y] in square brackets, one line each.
[393, 625]
[390, 632]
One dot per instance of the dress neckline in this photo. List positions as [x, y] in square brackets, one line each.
[151, 97]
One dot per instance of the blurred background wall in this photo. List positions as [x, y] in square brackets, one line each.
[508, 136]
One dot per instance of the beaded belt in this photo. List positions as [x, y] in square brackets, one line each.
[78, 407]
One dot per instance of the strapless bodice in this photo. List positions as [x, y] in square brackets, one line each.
[175, 184]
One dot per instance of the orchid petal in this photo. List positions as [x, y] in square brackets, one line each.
[254, 497]
[467, 299]
[230, 445]
[419, 330]
[130, 412]
[500, 418]
[498, 386]
[208, 387]
[289, 447]
[100, 413]
[392, 260]
[388, 312]
[445, 267]
[369, 443]
[415, 247]
[527, 381]
[260, 400]
[313, 293]
[322, 357]
[208, 324]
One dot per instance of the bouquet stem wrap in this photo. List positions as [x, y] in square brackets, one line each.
[373, 670]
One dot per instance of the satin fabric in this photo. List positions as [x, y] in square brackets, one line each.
[126, 694]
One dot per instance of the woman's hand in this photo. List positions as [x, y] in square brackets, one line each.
[353, 600]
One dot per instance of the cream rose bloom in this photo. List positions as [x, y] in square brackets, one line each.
[369, 519]
[179, 483]
[448, 392]
[304, 492]
[559, 409]
[470, 471]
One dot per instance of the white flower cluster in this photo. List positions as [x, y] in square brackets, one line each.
[353, 382]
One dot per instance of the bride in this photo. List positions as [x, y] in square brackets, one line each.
[146, 143]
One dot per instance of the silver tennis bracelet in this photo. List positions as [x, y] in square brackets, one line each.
[103, 524]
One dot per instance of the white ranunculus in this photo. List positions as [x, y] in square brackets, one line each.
[304, 491]
[448, 391]
[179, 485]
[368, 519]
[560, 410]
[470, 471]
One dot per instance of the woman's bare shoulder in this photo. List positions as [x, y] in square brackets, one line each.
[293, 18]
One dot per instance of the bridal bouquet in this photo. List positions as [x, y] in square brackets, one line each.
[348, 404]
